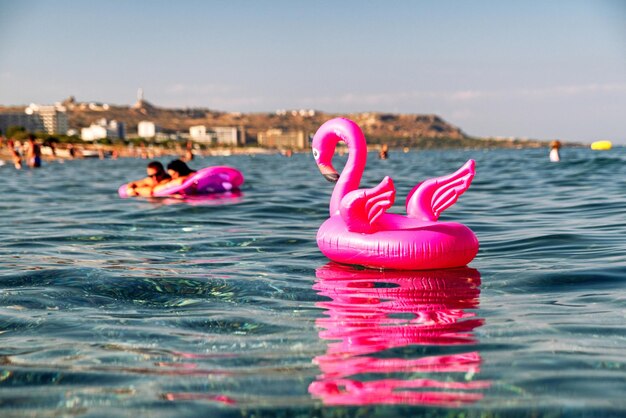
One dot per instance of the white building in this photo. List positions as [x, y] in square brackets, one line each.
[117, 130]
[277, 138]
[103, 129]
[302, 112]
[228, 136]
[199, 134]
[93, 133]
[146, 129]
[51, 119]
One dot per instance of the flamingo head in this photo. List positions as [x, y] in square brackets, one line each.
[323, 152]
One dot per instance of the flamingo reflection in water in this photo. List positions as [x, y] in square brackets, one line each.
[376, 319]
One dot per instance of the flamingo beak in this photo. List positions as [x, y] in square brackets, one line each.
[329, 173]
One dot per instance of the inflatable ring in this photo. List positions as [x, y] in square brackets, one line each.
[217, 179]
[359, 231]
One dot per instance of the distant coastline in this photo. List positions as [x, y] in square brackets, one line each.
[413, 131]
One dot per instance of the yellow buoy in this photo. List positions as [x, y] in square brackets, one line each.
[601, 145]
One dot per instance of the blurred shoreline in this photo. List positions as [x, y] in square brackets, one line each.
[101, 151]
[98, 151]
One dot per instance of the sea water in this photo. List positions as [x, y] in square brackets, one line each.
[225, 306]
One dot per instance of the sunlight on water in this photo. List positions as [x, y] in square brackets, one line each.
[224, 306]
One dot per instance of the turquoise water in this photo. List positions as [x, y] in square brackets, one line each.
[225, 307]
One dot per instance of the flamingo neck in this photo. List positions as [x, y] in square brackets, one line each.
[352, 172]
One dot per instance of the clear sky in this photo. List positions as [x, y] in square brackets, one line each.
[537, 69]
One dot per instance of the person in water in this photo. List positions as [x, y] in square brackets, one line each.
[384, 152]
[16, 157]
[554, 151]
[188, 152]
[33, 153]
[157, 176]
[179, 171]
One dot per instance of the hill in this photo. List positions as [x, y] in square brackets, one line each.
[397, 130]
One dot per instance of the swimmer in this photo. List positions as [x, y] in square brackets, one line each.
[179, 171]
[188, 152]
[384, 152]
[145, 187]
[554, 151]
[33, 153]
[15, 155]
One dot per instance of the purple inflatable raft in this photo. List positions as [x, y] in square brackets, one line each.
[217, 179]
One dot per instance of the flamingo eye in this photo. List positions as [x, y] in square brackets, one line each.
[316, 153]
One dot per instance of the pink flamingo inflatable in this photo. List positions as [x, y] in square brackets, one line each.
[373, 317]
[359, 231]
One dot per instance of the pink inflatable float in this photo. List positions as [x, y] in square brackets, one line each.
[359, 231]
[216, 179]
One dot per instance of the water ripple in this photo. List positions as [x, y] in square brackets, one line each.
[112, 307]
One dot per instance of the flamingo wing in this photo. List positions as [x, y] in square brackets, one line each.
[430, 198]
[360, 209]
